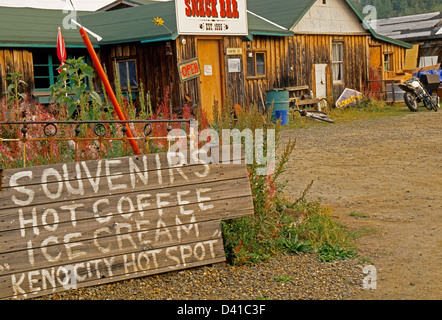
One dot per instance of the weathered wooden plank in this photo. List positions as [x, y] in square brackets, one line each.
[70, 225]
[116, 184]
[115, 268]
[37, 224]
[80, 248]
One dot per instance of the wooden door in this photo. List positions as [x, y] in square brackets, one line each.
[375, 70]
[321, 80]
[211, 83]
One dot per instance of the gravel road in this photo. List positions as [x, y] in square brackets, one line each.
[382, 177]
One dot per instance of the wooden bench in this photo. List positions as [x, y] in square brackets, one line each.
[300, 96]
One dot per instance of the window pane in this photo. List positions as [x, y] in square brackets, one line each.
[42, 83]
[387, 62]
[337, 59]
[40, 58]
[127, 72]
[338, 71]
[132, 73]
[250, 64]
[42, 70]
[122, 72]
[337, 52]
[260, 64]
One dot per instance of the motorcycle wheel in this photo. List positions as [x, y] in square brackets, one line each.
[436, 104]
[431, 104]
[411, 101]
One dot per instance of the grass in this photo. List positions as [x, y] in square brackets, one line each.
[369, 109]
[283, 279]
[358, 215]
[253, 239]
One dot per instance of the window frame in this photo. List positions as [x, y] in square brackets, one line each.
[125, 60]
[51, 76]
[254, 52]
[390, 61]
[338, 62]
[52, 69]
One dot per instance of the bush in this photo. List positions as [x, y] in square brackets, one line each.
[277, 225]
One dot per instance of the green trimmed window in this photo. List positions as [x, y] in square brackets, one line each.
[45, 70]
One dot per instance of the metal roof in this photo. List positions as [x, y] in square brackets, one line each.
[288, 13]
[38, 27]
[30, 27]
[418, 27]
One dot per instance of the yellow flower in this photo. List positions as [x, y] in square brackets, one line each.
[158, 21]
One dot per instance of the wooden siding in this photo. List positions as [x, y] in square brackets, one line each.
[155, 69]
[398, 54]
[290, 62]
[16, 60]
[185, 52]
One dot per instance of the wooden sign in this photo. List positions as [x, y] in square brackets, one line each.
[67, 226]
[212, 17]
[349, 98]
[189, 69]
[233, 51]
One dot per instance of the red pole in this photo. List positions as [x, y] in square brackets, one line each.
[108, 87]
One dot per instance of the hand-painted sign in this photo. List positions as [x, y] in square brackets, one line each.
[212, 17]
[348, 98]
[189, 69]
[67, 226]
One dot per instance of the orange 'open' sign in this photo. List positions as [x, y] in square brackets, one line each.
[189, 69]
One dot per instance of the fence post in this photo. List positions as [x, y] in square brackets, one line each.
[193, 134]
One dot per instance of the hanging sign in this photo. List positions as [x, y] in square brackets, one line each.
[211, 17]
[189, 69]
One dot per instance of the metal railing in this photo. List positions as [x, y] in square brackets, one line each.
[385, 92]
[100, 134]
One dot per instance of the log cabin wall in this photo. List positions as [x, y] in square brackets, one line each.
[16, 60]
[155, 69]
[396, 53]
[186, 49]
[290, 61]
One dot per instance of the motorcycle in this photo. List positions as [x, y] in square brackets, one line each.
[420, 89]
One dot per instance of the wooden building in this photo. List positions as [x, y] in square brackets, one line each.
[28, 45]
[319, 43]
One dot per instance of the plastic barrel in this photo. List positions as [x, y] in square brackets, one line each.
[280, 100]
[282, 115]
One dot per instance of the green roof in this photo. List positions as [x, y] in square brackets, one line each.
[30, 27]
[133, 24]
[136, 24]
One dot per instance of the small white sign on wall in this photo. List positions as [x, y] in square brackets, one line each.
[234, 65]
[207, 70]
[211, 17]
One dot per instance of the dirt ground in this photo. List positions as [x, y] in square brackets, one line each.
[382, 177]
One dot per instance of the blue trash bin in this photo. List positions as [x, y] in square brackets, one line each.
[283, 116]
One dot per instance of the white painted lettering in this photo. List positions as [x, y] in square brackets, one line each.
[44, 179]
[29, 192]
[110, 177]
